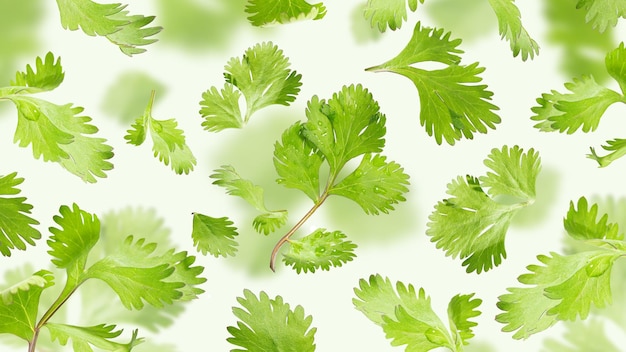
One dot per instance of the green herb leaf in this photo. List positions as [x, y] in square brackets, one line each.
[265, 12]
[582, 223]
[452, 105]
[48, 75]
[269, 220]
[510, 26]
[168, 141]
[473, 225]
[383, 14]
[617, 149]
[319, 250]
[19, 305]
[375, 184]
[16, 227]
[603, 13]
[214, 235]
[264, 78]
[269, 325]
[407, 317]
[99, 336]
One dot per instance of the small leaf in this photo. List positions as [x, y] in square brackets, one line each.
[214, 235]
[319, 250]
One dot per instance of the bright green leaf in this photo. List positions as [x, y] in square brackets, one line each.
[319, 250]
[510, 26]
[383, 14]
[48, 75]
[264, 12]
[214, 235]
[582, 223]
[603, 13]
[617, 149]
[16, 227]
[270, 325]
[221, 109]
[615, 62]
[99, 336]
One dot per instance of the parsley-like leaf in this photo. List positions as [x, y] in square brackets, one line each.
[473, 225]
[407, 317]
[168, 141]
[266, 222]
[16, 227]
[264, 12]
[262, 76]
[615, 147]
[565, 287]
[319, 250]
[452, 105]
[110, 21]
[384, 14]
[48, 75]
[214, 235]
[603, 13]
[19, 305]
[99, 336]
[510, 26]
[270, 325]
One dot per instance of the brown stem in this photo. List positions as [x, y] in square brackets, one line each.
[286, 237]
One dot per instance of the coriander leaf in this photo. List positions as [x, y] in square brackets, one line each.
[19, 305]
[99, 336]
[16, 227]
[563, 288]
[616, 67]
[264, 12]
[452, 105]
[270, 325]
[110, 21]
[603, 13]
[319, 250]
[582, 223]
[221, 109]
[268, 220]
[71, 243]
[510, 26]
[60, 135]
[584, 106]
[168, 141]
[407, 317]
[137, 274]
[390, 14]
[617, 149]
[297, 162]
[214, 235]
[473, 225]
[348, 125]
[262, 75]
[375, 184]
[47, 76]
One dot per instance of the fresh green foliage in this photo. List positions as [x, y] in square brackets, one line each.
[407, 317]
[270, 325]
[565, 287]
[168, 141]
[128, 32]
[452, 105]
[266, 222]
[214, 235]
[321, 249]
[585, 106]
[55, 132]
[511, 29]
[16, 227]
[135, 271]
[266, 12]
[384, 14]
[472, 224]
[262, 76]
[347, 126]
[603, 13]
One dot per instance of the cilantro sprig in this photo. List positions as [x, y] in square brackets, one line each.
[268, 12]
[407, 317]
[452, 105]
[168, 142]
[565, 287]
[16, 226]
[583, 107]
[135, 271]
[262, 76]
[57, 133]
[128, 32]
[472, 223]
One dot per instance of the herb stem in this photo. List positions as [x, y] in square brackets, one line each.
[286, 237]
